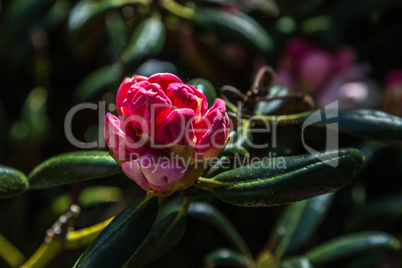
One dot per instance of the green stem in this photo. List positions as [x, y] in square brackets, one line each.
[207, 184]
[9, 253]
[43, 255]
[83, 237]
[177, 9]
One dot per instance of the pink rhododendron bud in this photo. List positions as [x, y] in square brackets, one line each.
[148, 106]
[155, 170]
[178, 128]
[186, 96]
[122, 92]
[121, 139]
[212, 131]
[164, 131]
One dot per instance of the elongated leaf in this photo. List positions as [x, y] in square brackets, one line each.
[298, 222]
[206, 88]
[147, 41]
[214, 217]
[235, 26]
[352, 244]
[369, 124]
[281, 180]
[226, 257]
[123, 235]
[296, 262]
[72, 167]
[12, 182]
[163, 237]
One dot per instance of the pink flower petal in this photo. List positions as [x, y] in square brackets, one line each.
[164, 79]
[121, 140]
[212, 131]
[132, 169]
[148, 107]
[177, 129]
[160, 169]
[154, 170]
[186, 96]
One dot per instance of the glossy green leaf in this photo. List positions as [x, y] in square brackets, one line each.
[164, 235]
[352, 244]
[98, 82]
[281, 180]
[298, 222]
[206, 88]
[226, 257]
[12, 182]
[235, 26]
[296, 262]
[147, 41]
[369, 124]
[123, 235]
[216, 218]
[73, 167]
[270, 107]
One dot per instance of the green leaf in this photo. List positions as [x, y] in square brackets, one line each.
[206, 88]
[73, 167]
[163, 236]
[235, 26]
[147, 41]
[226, 257]
[12, 182]
[281, 180]
[296, 262]
[98, 82]
[213, 216]
[298, 222]
[352, 244]
[369, 124]
[123, 235]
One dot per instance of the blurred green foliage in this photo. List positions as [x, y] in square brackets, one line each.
[58, 53]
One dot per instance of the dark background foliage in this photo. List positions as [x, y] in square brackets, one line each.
[44, 61]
